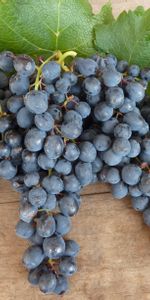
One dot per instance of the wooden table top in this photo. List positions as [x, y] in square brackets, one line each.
[114, 261]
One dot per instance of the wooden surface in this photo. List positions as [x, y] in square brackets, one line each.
[114, 261]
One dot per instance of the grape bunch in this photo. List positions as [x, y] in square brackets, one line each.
[62, 128]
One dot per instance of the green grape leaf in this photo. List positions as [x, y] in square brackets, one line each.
[128, 37]
[105, 15]
[42, 26]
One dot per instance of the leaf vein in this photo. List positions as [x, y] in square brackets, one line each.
[52, 31]
[58, 23]
[24, 38]
[136, 45]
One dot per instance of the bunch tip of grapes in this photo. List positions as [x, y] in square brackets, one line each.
[62, 128]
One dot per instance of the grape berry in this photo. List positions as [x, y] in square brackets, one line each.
[63, 128]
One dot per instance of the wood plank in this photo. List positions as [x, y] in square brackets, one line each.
[8, 195]
[114, 260]
[96, 188]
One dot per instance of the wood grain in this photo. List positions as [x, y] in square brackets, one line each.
[14, 197]
[114, 261]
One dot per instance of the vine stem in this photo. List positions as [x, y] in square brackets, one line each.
[66, 54]
[45, 210]
[57, 130]
[49, 172]
[39, 70]
[60, 58]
